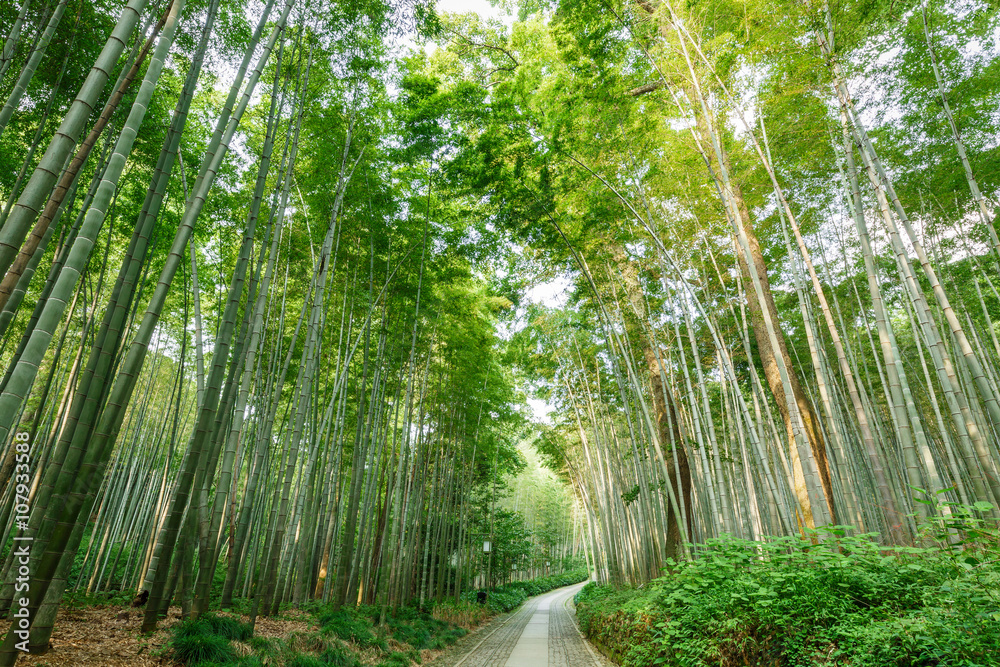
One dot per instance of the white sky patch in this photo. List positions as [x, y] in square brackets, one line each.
[552, 294]
[481, 7]
[541, 409]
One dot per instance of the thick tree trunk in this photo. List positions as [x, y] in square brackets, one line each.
[675, 463]
[769, 362]
[667, 420]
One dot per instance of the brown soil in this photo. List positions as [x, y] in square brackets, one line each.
[110, 637]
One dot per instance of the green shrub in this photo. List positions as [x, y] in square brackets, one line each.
[206, 640]
[228, 627]
[414, 633]
[349, 624]
[396, 659]
[338, 656]
[791, 602]
[74, 599]
[464, 613]
[449, 636]
[511, 595]
[263, 645]
[200, 648]
[504, 599]
[421, 630]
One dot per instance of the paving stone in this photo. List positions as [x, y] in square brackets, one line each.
[542, 633]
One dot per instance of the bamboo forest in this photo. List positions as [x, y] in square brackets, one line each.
[540, 333]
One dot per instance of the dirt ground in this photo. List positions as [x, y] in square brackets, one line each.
[109, 637]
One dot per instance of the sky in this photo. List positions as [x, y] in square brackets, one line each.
[481, 7]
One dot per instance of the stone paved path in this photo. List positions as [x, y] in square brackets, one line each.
[542, 633]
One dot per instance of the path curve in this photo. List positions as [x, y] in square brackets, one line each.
[542, 633]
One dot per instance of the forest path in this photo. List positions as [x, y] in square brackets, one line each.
[542, 633]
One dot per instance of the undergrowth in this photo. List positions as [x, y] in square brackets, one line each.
[510, 596]
[351, 624]
[832, 599]
[208, 640]
[341, 636]
[422, 630]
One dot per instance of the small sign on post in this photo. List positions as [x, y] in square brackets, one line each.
[486, 546]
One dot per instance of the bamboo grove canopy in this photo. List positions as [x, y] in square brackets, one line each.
[267, 324]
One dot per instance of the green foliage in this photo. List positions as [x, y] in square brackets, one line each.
[197, 648]
[396, 659]
[830, 598]
[78, 599]
[406, 625]
[503, 598]
[545, 584]
[421, 630]
[338, 656]
[263, 645]
[349, 624]
[208, 640]
[211, 624]
[342, 635]
[462, 613]
[511, 538]
[111, 580]
[227, 626]
[510, 596]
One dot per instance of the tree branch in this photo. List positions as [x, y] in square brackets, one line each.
[646, 88]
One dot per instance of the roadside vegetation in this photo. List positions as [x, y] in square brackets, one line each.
[830, 599]
[348, 637]
[351, 636]
[510, 596]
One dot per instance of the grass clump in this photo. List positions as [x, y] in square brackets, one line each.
[316, 649]
[227, 626]
[350, 624]
[421, 630]
[340, 639]
[339, 656]
[408, 629]
[833, 599]
[208, 640]
[210, 624]
[263, 645]
[397, 659]
[464, 614]
[195, 643]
